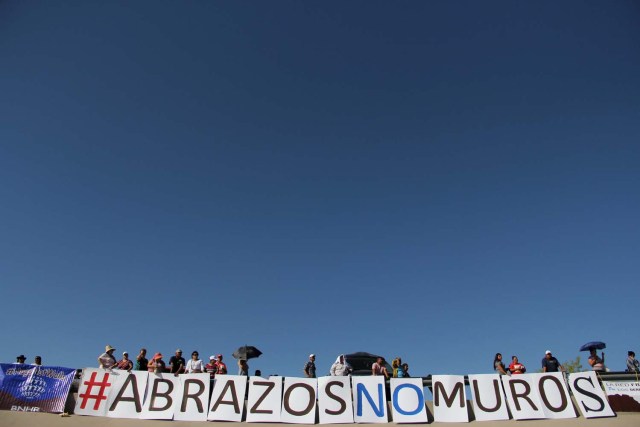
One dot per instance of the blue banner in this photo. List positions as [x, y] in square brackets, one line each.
[32, 388]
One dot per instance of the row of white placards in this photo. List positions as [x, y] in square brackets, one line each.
[336, 399]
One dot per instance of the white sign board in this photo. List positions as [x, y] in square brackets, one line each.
[227, 399]
[299, 400]
[192, 399]
[263, 404]
[449, 399]
[591, 399]
[161, 389]
[334, 400]
[407, 401]
[128, 394]
[369, 400]
[489, 403]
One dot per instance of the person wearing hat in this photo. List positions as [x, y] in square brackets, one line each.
[125, 363]
[550, 363]
[157, 365]
[310, 367]
[106, 359]
[21, 359]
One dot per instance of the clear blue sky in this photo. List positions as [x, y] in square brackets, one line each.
[436, 180]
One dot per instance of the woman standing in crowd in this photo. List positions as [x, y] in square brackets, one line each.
[498, 365]
[125, 363]
[157, 365]
[194, 365]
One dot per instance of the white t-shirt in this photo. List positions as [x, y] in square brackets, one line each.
[194, 366]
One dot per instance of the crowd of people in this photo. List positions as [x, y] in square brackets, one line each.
[177, 364]
[216, 366]
[550, 363]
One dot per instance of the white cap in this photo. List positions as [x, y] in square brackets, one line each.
[312, 355]
[212, 357]
[125, 352]
[547, 352]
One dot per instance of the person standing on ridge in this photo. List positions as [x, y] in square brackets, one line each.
[221, 367]
[550, 363]
[177, 363]
[142, 364]
[379, 368]
[632, 363]
[310, 367]
[106, 359]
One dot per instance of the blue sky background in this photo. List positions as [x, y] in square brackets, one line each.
[436, 180]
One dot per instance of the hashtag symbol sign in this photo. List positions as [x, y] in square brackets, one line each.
[100, 396]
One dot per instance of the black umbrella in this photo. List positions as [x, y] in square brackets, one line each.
[598, 345]
[246, 352]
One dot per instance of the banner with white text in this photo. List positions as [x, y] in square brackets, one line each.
[31, 388]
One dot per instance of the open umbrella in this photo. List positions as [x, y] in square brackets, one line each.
[598, 345]
[246, 352]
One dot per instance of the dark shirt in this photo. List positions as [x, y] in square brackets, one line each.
[142, 364]
[310, 369]
[175, 363]
[551, 364]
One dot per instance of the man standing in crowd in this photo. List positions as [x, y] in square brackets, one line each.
[177, 363]
[106, 359]
[310, 367]
[142, 364]
[550, 363]
[632, 363]
[21, 359]
[37, 361]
